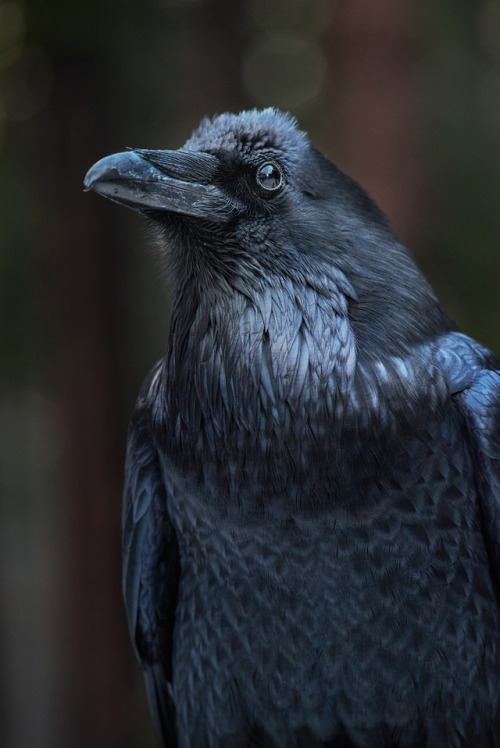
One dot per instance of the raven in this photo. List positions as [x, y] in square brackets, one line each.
[311, 518]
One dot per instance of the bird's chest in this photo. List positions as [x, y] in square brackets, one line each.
[252, 625]
[309, 609]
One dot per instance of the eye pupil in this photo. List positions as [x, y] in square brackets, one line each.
[269, 177]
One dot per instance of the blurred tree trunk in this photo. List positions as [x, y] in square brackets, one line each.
[82, 262]
[378, 115]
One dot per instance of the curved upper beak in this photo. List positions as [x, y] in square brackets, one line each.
[175, 181]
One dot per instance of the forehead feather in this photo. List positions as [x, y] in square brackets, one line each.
[248, 133]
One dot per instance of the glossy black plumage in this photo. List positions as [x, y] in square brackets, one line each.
[311, 518]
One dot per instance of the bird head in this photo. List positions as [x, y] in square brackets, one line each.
[248, 203]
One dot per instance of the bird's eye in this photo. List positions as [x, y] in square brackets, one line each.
[269, 177]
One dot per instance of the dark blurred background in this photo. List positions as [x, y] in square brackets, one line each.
[405, 96]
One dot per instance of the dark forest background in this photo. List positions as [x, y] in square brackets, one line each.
[404, 95]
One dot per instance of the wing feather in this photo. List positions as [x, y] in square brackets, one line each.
[473, 376]
[150, 564]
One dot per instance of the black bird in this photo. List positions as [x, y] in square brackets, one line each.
[311, 519]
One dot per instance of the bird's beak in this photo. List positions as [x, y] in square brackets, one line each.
[172, 181]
